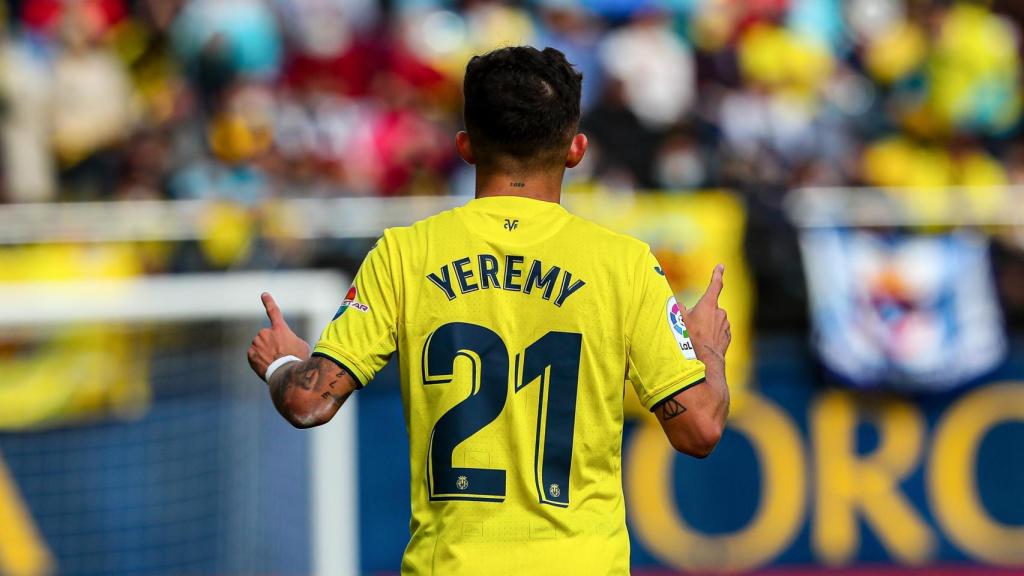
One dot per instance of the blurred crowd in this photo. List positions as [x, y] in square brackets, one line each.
[248, 99]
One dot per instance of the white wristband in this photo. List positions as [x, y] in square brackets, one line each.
[277, 364]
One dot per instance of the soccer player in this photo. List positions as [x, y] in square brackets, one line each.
[517, 325]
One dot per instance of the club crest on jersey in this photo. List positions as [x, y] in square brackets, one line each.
[462, 483]
[554, 490]
[675, 321]
[351, 302]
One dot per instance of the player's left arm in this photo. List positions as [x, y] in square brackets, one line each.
[694, 419]
[307, 392]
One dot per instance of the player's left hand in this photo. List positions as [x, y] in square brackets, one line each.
[276, 341]
[708, 324]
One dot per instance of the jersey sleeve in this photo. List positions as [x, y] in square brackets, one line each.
[662, 361]
[363, 334]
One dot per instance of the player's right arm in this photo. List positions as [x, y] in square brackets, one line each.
[307, 392]
[356, 344]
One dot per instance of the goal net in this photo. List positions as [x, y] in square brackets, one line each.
[135, 439]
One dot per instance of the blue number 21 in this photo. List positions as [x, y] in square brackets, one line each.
[554, 360]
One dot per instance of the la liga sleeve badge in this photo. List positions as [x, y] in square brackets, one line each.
[678, 327]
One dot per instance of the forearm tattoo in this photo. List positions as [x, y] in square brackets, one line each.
[716, 353]
[333, 394]
[306, 376]
[315, 375]
[671, 408]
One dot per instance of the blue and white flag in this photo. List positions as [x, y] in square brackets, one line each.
[905, 311]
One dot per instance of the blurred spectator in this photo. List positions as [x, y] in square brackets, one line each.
[239, 136]
[240, 36]
[92, 106]
[623, 148]
[25, 91]
[47, 17]
[655, 67]
[680, 165]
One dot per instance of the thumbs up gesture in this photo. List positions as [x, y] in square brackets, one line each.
[274, 342]
[708, 324]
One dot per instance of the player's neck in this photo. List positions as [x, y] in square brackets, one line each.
[539, 186]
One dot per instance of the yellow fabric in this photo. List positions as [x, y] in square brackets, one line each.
[897, 52]
[619, 319]
[974, 69]
[779, 59]
[228, 233]
[74, 373]
[932, 183]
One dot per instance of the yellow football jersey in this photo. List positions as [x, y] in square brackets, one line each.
[517, 325]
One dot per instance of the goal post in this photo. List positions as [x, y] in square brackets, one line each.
[308, 296]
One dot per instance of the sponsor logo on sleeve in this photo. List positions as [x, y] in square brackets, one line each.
[351, 301]
[675, 322]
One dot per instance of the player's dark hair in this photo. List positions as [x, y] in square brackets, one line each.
[522, 105]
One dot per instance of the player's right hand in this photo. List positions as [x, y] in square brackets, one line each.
[708, 324]
[274, 342]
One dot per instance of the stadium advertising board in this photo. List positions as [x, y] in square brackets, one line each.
[835, 479]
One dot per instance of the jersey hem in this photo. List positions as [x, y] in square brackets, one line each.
[345, 361]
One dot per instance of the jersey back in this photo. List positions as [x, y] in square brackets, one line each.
[517, 325]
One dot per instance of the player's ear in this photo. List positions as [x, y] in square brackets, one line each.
[576, 150]
[464, 147]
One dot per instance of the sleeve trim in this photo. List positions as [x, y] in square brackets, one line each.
[345, 361]
[672, 389]
[340, 364]
[677, 391]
